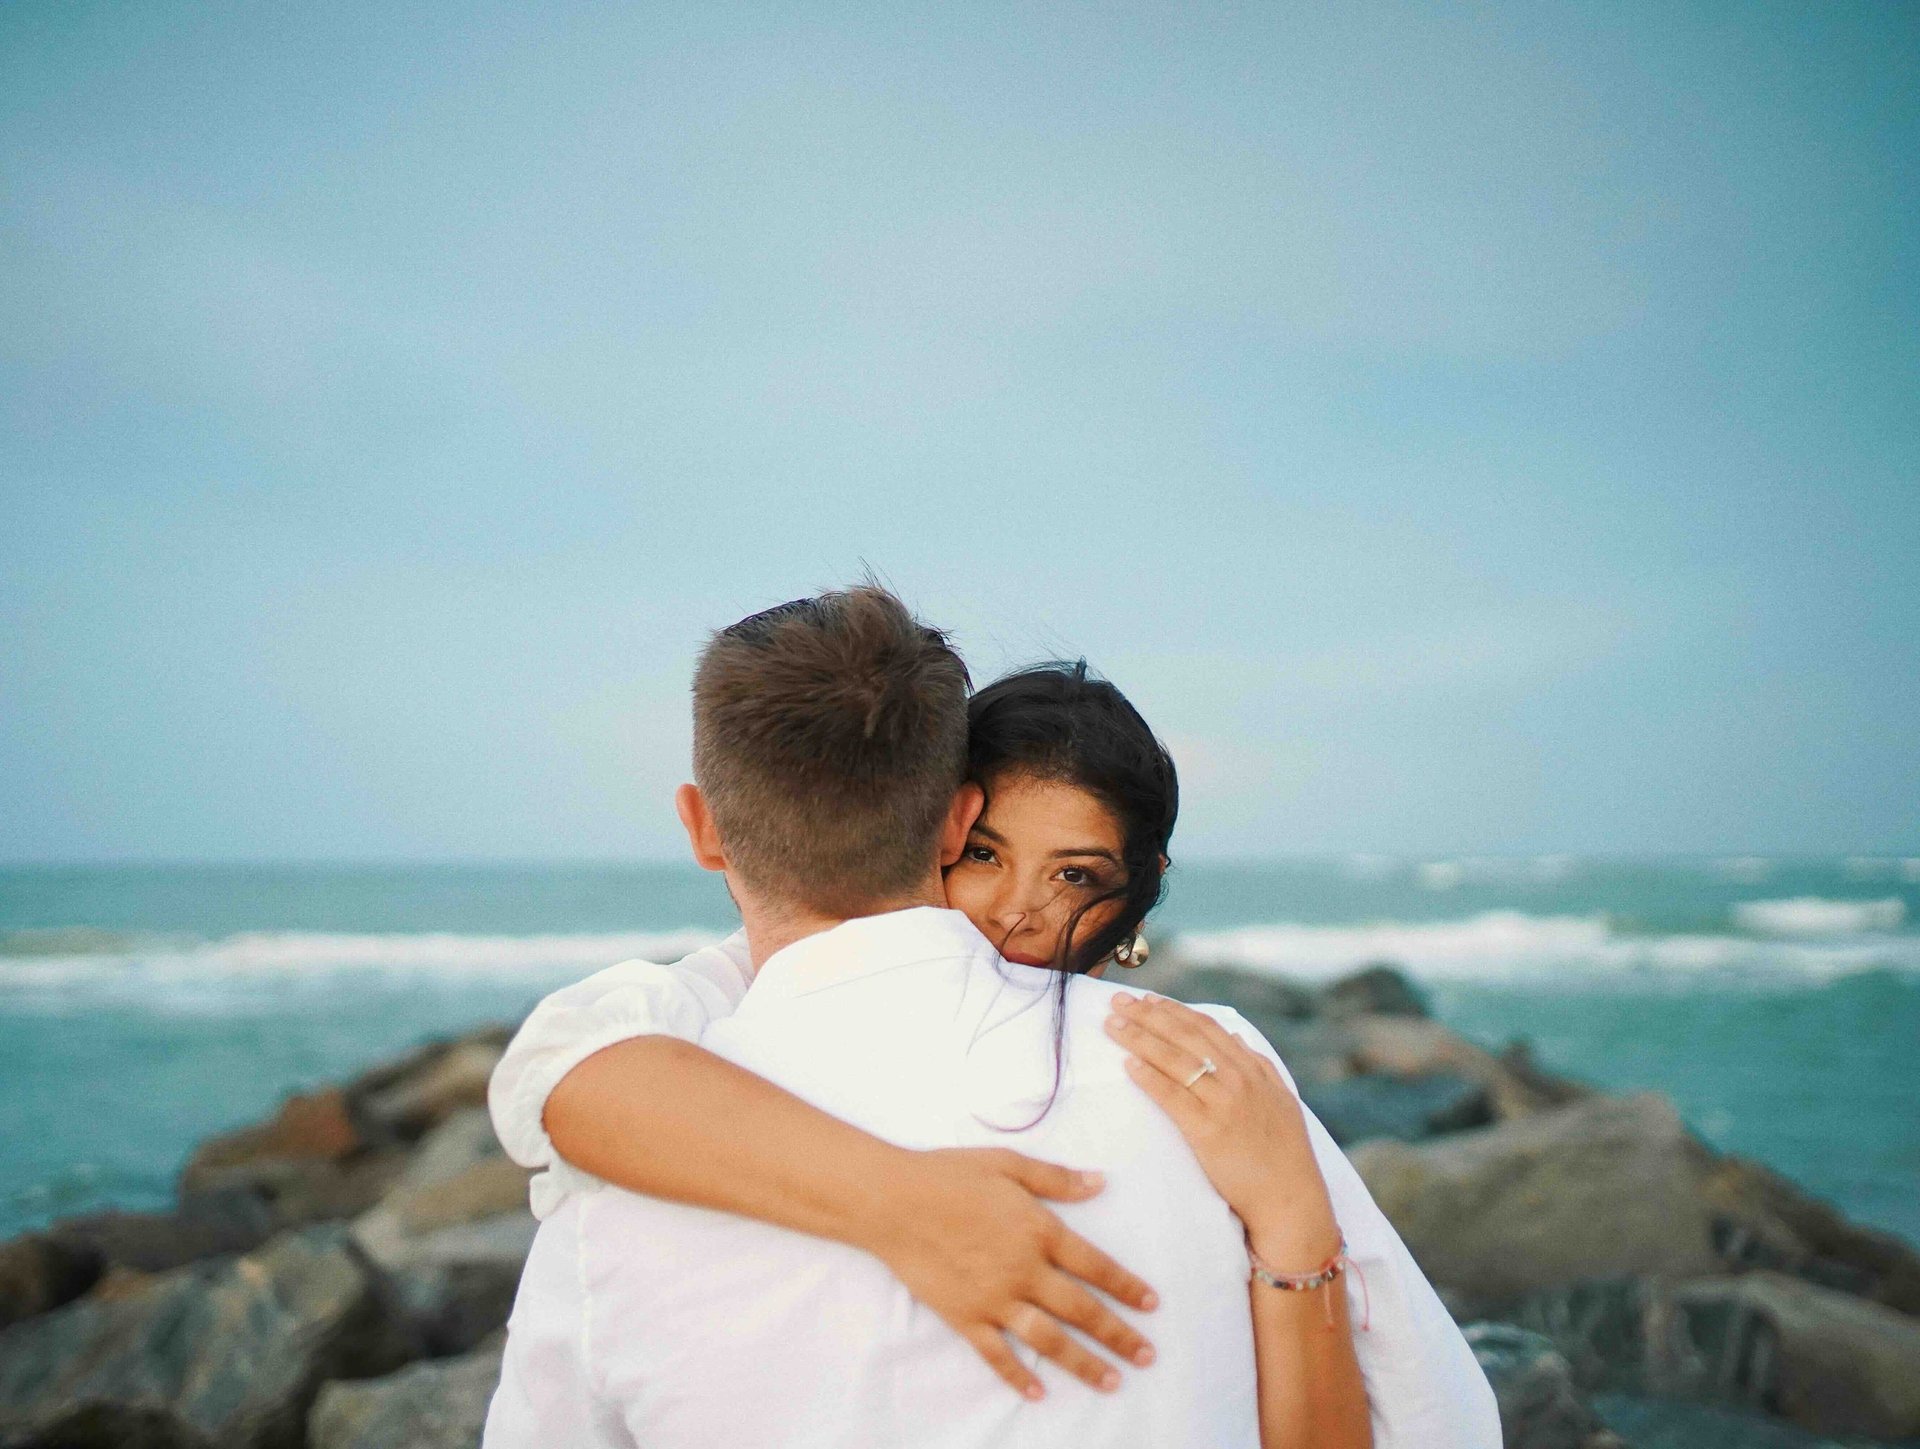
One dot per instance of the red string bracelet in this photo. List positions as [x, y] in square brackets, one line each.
[1319, 1278]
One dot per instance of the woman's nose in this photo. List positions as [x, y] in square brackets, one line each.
[1017, 903]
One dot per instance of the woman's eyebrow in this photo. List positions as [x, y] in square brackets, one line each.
[989, 832]
[1093, 850]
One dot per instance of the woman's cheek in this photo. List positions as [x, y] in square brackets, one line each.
[964, 892]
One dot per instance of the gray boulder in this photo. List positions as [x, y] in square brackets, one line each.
[436, 1405]
[1260, 998]
[1540, 1408]
[457, 1284]
[1826, 1361]
[1380, 989]
[204, 1225]
[227, 1353]
[1405, 1108]
[1766, 1221]
[39, 1271]
[311, 1127]
[1411, 1046]
[1676, 1424]
[1612, 1187]
[1602, 1189]
[1760, 1342]
[458, 1174]
[453, 1234]
[404, 1099]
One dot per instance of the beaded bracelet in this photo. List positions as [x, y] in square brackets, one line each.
[1319, 1278]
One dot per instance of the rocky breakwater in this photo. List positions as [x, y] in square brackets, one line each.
[362, 1229]
[338, 1276]
[1593, 1244]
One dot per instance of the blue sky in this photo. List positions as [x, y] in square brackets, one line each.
[1486, 429]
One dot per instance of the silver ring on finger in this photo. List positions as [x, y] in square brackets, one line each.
[1205, 1069]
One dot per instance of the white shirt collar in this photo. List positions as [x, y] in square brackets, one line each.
[862, 947]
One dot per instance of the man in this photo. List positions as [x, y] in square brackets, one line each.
[829, 749]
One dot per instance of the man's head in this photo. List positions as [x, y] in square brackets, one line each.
[829, 745]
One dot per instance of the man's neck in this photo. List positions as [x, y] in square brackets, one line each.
[774, 926]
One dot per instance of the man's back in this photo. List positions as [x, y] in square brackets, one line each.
[656, 1324]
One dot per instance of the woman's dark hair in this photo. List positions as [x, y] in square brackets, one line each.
[1058, 721]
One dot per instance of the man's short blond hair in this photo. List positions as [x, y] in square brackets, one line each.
[829, 737]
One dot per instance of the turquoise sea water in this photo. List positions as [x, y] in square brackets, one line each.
[1776, 1001]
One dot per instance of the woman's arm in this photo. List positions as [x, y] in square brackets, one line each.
[1249, 1132]
[605, 1074]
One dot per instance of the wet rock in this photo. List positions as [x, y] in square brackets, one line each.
[1315, 1050]
[1602, 1327]
[1601, 1189]
[437, 1405]
[1408, 1109]
[1675, 1424]
[310, 1128]
[1541, 1086]
[206, 1225]
[1826, 1361]
[404, 1102]
[1540, 1408]
[308, 1163]
[1615, 1188]
[39, 1272]
[496, 1185]
[457, 1285]
[227, 1353]
[1259, 998]
[1409, 1046]
[1766, 1221]
[458, 1174]
[1759, 1342]
[463, 1140]
[1380, 989]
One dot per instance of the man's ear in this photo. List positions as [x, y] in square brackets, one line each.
[968, 801]
[702, 834]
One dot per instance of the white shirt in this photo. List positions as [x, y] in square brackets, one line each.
[644, 1323]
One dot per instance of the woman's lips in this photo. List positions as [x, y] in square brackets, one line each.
[1022, 958]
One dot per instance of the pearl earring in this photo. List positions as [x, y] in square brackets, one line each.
[1131, 953]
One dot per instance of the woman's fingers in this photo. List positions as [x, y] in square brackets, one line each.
[1087, 1263]
[992, 1346]
[1186, 1028]
[1050, 1180]
[1146, 1041]
[1067, 1301]
[1189, 1113]
[1042, 1332]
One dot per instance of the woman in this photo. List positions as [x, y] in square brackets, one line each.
[1064, 862]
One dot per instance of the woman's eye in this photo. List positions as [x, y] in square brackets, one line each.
[980, 853]
[1075, 875]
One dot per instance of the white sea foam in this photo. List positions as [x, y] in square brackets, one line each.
[1876, 867]
[1511, 945]
[1818, 916]
[1444, 875]
[1794, 939]
[270, 957]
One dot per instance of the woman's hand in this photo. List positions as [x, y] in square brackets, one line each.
[1245, 1126]
[964, 1228]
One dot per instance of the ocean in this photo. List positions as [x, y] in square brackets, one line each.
[1777, 1001]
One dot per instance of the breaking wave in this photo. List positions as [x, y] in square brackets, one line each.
[130, 966]
[1509, 945]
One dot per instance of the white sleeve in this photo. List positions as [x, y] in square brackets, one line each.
[1424, 1386]
[634, 998]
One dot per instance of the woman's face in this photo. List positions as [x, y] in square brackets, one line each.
[1039, 851]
